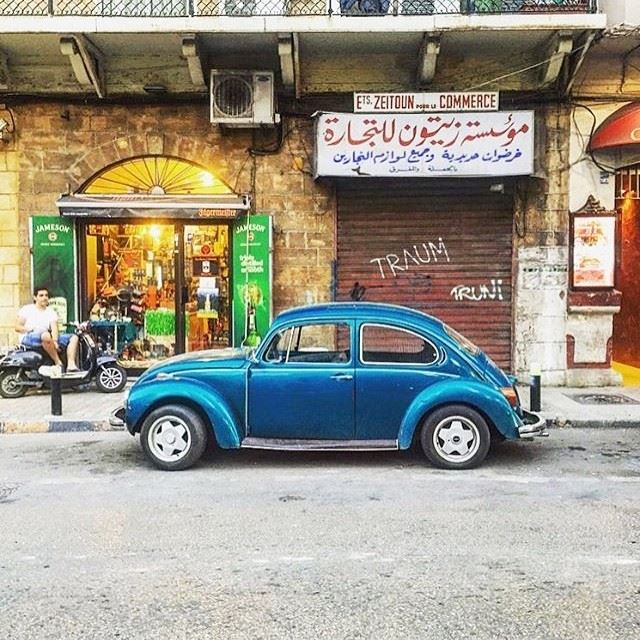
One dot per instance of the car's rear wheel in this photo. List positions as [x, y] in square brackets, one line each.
[455, 437]
[173, 437]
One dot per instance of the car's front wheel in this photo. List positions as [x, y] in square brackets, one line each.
[455, 437]
[173, 437]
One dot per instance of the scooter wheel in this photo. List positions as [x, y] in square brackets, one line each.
[11, 384]
[111, 378]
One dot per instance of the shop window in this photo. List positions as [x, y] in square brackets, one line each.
[131, 288]
[156, 175]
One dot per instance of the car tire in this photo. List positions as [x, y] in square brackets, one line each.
[173, 437]
[11, 384]
[455, 437]
[111, 378]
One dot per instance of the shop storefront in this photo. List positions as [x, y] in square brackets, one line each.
[444, 247]
[604, 304]
[156, 238]
[425, 213]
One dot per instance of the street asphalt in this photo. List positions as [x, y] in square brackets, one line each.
[86, 409]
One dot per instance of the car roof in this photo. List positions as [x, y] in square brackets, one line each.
[371, 311]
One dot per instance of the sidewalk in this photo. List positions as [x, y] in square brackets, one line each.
[83, 409]
[88, 410]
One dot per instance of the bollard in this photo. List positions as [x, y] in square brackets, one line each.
[56, 396]
[534, 389]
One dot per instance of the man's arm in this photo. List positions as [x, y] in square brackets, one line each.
[20, 322]
[53, 327]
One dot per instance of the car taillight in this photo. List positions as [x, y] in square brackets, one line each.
[510, 394]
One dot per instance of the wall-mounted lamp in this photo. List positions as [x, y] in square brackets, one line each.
[497, 187]
[6, 127]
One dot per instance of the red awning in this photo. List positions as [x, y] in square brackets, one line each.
[620, 129]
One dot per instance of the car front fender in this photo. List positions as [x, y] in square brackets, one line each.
[156, 392]
[475, 394]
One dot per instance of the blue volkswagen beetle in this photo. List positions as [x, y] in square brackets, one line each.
[338, 376]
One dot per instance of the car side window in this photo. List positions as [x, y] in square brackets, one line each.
[311, 343]
[391, 345]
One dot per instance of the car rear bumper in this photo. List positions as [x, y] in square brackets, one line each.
[533, 425]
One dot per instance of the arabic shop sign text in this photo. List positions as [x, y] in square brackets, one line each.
[415, 145]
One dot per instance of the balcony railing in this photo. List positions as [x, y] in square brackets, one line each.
[188, 8]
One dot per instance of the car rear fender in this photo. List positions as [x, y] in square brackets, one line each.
[192, 393]
[485, 399]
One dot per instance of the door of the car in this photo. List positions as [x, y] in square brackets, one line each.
[303, 385]
[394, 365]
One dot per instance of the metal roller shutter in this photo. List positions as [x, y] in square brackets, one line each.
[444, 247]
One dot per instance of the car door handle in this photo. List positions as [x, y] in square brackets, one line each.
[342, 376]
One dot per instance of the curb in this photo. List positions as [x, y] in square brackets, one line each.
[602, 423]
[55, 426]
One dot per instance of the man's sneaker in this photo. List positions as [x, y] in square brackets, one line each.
[56, 371]
[45, 370]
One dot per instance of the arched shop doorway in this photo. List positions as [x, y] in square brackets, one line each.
[626, 323]
[154, 256]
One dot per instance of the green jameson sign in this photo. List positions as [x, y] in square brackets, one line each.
[251, 279]
[53, 265]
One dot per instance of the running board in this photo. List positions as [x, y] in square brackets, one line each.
[282, 444]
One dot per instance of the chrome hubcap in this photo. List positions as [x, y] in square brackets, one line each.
[456, 439]
[169, 438]
[11, 383]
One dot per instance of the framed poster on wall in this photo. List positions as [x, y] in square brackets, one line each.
[593, 250]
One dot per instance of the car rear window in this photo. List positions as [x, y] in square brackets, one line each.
[391, 345]
[463, 342]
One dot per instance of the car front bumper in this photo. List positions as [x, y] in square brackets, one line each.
[533, 425]
[117, 419]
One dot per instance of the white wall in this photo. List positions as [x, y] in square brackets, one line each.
[621, 11]
[585, 177]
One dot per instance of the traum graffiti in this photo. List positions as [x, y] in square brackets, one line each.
[477, 293]
[418, 254]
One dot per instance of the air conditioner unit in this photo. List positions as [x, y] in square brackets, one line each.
[242, 98]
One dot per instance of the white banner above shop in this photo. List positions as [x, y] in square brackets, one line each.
[425, 102]
[424, 145]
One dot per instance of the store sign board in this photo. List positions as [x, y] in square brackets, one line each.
[251, 275]
[420, 145]
[53, 262]
[426, 102]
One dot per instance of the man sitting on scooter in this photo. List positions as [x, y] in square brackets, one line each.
[39, 324]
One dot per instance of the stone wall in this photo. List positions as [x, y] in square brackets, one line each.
[11, 246]
[542, 224]
[61, 147]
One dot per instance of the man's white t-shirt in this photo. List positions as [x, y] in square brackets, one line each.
[36, 319]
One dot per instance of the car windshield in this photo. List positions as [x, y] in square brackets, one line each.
[463, 342]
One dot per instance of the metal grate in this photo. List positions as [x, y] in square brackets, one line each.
[178, 8]
[628, 182]
[232, 96]
[602, 398]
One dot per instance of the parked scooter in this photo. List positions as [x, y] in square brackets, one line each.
[19, 368]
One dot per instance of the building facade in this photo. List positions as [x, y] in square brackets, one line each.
[122, 126]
